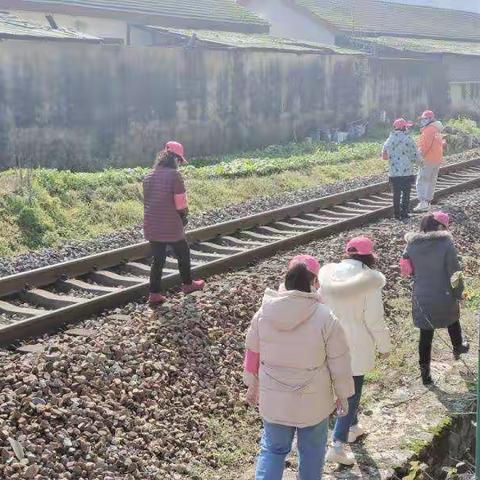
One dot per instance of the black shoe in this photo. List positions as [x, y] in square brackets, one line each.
[426, 376]
[460, 350]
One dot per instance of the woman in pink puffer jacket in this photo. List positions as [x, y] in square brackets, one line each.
[297, 366]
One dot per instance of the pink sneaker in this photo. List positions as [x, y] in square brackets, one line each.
[156, 299]
[195, 286]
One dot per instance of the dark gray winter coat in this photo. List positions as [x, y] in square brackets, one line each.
[434, 260]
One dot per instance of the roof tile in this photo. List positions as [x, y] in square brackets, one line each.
[418, 45]
[251, 41]
[370, 17]
[225, 11]
[15, 28]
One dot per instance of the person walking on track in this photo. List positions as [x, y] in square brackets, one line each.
[296, 358]
[403, 156]
[165, 215]
[431, 146]
[353, 290]
[431, 259]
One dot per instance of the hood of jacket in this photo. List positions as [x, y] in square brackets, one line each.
[287, 309]
[399, 135]
[349, 277]
[416, 237]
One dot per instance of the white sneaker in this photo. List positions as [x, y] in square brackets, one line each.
[422, 207]
[355, 433]
[340, 453]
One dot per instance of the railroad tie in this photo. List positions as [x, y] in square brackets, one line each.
[292, 226]
[110, 279]
[237, 241]
[210, 247]
[74, 284]
[25, 312]
[49, 300]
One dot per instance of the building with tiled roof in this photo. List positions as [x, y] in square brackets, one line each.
[321, 20]
[401, 46]
[459, 60]
[112, 19]
[14, 28]
[215, 39]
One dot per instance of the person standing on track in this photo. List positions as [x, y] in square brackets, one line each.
[431, 145]
[431, 258]
[353, 290]
[165, 215]
[403, 156]
[296, 358]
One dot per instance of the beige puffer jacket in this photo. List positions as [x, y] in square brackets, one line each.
[354, 293]
[304, 359]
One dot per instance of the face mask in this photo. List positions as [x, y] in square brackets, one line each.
[424, 122]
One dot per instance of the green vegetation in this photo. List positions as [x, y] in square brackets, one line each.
[465, 125]
[278, 159]
[52, 206]
[44, 208]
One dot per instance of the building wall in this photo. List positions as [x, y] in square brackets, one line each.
[99, 27]
[287, 22]
[78, 106]
[464, 76]
[406, 87]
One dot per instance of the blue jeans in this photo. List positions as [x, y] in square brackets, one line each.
[277, 443]
[343, 424]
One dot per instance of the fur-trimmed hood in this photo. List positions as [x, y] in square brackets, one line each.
[348, 278]
[415, 237]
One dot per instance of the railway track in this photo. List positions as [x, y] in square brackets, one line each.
[45, 299]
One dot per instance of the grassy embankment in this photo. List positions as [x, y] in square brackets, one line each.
[48, 207]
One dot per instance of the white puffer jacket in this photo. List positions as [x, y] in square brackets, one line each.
[304, 359]
[354, 293]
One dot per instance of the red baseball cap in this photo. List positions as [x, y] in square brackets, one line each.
[360, 246]
[401, 123]
[428, 115]
[312, 264]
[176, 148]
[443, 218]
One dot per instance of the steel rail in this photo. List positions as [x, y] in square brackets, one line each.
[267, 232]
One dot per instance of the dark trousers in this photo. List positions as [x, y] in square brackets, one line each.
[401, 187]
[426, 338]
[181, 250]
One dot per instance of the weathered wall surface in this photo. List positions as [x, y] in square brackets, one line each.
[464, 76]
[76, 106]
[406, 86]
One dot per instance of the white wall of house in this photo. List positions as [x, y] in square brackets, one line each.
[100, 27]
[287, 22]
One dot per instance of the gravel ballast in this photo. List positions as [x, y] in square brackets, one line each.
[134, 397]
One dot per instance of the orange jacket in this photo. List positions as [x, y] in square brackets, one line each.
[430, 143]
